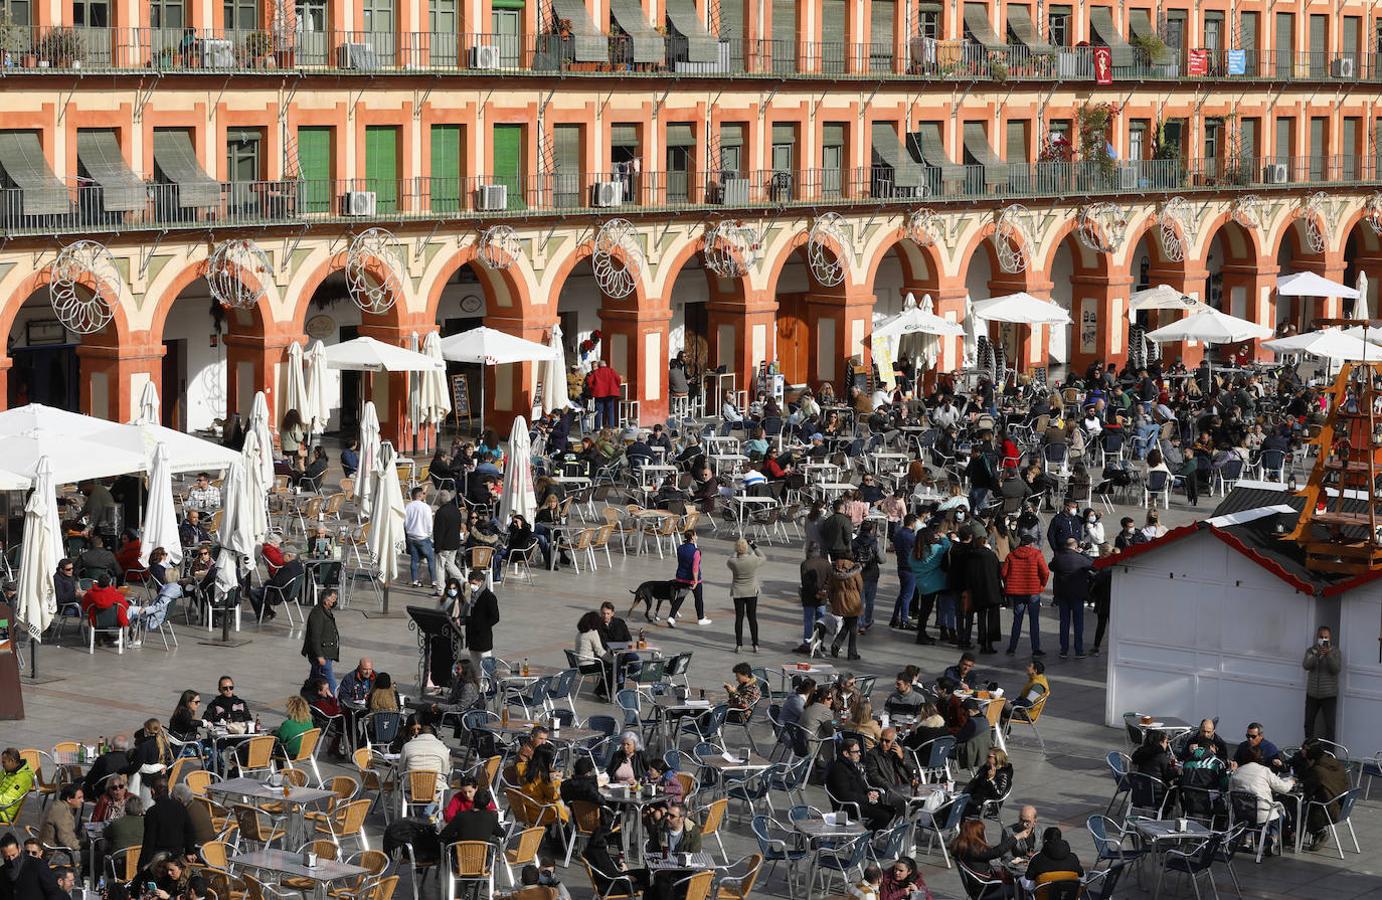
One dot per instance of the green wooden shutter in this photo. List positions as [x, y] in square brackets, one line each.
[1250, 165]
[1247, 41]
[832, 158]
[381, 166]
[1285, 45]
[507, 161]
[732, 30]
[1353, 26]
[832, 35]
[1015, 148]
[1318, 128]
[784, 51]
[566, 156]
[314, 161]
[1348, 159]
[1284, 150]
[1319, 45]
[881, 18]
[446, 168]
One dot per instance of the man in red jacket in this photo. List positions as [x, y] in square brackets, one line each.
[1024, 577]
[604, 386]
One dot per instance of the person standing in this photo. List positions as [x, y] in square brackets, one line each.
[815, 581]
[984, 581]
[688, 578]
[1065, 525]
[481, 619]
[846, 601]
[1071, 572]
[744, 589]
[904, 539]
[927, 565]
[1322, 664]
[321, 641]
[417, 534]
[866, 551]
[837, 532]
[1024, 578]
[446, 536]
[604, 387]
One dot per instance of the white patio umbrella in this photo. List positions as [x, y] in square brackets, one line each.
[186, 452]
[912, 332]
[259, 422]
[149, 410]
[237, 533]
[1329, 343]
[297, 382]
[434, 401]
[70, 457]
[1308, 284]
[1021, 309]
[1163, 296]
[386, 520]
[160, 525]
[257, 487]
[1210, 326]
[318, 409]
[518, 496]
[369, 458]
[490, 347]
[365, 354]
[554, 396]
[36, 601]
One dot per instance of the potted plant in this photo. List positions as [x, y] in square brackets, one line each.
[61, 47]
[1094, 122]
[256, 48]
[998, 66]
[1152, 45]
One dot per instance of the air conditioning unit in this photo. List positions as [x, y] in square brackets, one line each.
[1276, 173]
[217, 54]
[607, 193]
[484, 57]
[356, 56]
[1342, 68]
[1127, 178]
[358, 203]
[492, 197]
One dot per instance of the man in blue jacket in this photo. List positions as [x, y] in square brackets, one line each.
[904, 540]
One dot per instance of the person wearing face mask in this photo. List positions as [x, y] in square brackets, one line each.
[22, 876]
[1128, 535]
[1095, 543]
[484, 615]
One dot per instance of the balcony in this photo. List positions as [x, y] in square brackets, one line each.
[63, 50]
[304, 203]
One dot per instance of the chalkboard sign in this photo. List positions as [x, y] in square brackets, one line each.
[460, 397]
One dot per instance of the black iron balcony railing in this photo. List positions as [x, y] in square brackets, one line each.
[28, 50]
[305, 201]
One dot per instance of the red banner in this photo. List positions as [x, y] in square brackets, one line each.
[1103, 65]
[1197, 63]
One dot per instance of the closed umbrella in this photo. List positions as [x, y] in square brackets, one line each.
[369, 458]
[434, 403]
[519, 496]
[971, 342]
[160, 526]
[554, 396]
[318, 409]
[1361, 307]
[386, 523]
[236, 534]
[36, 602]
[149, 407]
[257, 489]
[297, 381]
[259, 422]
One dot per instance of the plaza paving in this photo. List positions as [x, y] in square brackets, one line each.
[105, 693]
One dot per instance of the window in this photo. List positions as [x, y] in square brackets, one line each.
[784, 149]
[19, 11]
[1058, 26]
[446, 168]
[381, 165]
[732, 149]
[681, 147]
[167, 14]
[243, 162]
[442, 23]
[91, 13]
[1137, 140]
[242, 15]
[313, 26]
[929, 21]
[832, 158]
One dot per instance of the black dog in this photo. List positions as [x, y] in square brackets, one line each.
[652, 594]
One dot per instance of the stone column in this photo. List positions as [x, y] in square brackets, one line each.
[838, 322]
[1099, 310]
[1188, 278]
[635, 345]
[112, 376]
[743, 333]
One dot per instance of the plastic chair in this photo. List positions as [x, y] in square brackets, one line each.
[562, 687]
[1246, 809]
[1112, 849]
[842, 860]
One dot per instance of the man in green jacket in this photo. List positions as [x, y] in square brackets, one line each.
[321, 642]
[16, 781]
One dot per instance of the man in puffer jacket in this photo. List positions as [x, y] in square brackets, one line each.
[1024, 577]
[847, 601]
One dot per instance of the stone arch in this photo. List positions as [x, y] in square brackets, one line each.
[1242, 242]
[393, 317]
[1370, 239]
[671, 268]
[114, 334]
[469, 255]
[911, 255]
[1088, 261]
[982, 241]
[261, 313]
[580, 253]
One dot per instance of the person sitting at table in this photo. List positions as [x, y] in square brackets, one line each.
[847, 786]
[355, 686]
[905, 700]
[543, 787]
[272, 551]
[846, 691]
[992, 782]
[1035, 688]
[186, 719]
[125, 830]
[382, 697]
[590, 649]
[888, 768]
[971, 848]
[127, 557]
[469, 797]
[227, 707]
[964, 675]
[803, 686]
[480, 822]
[116, 759]
[286, 584]
[584, 785]
[521, 539]
[191, 532]
[973, 739]
[1025, 837]
[668, 493]
[861, 722]
[203, 573]
[105, 606]
[1055, 861]
[1206, 738]
[298, 723]
[58, 827]
[65, 585]
[929, 726]
[743, 694]
[627, 763]
[203, 495]
[662, 775]
[1202, 777]
[675, 833]
[950, 706]
[1254, 777]
[309, 478]
[1256, 739]
[1324, 779]
[425, 752]
[317, 692]
[818, 718]
[1154, 758]
[97, 559]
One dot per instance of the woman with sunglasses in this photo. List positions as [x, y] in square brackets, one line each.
[186, 719]
[110, 804]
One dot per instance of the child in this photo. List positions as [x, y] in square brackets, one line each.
[868, 888]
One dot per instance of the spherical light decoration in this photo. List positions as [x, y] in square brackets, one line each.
[227, 267]
[922, 227]
[1372, 213]
[1011, 239]
[78, 278]
[729, 249]
[617, 260]
[1312, 210]
[827, 267]
[373, 262]
[1101, 227]
[499, 247]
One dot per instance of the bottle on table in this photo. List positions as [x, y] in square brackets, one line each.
[525, 667]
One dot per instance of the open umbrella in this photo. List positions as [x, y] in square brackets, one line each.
[1021, 309]
[365, 354]
[369, 458]
[489, 347]
[36, 602]
[1163, 296]
[160, 526]
[318, 409]
[149, 407]
[518, 496]
[1308, 284]
[1329, 343]
[554, 396]
[259, 422]
[386, 522]
[1210, 326]
[297, 381]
